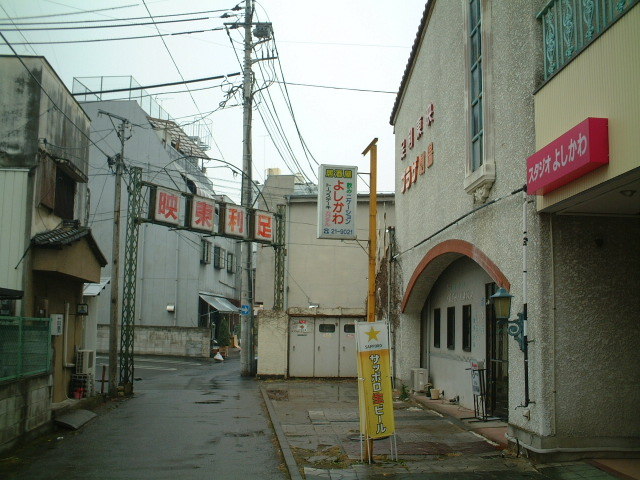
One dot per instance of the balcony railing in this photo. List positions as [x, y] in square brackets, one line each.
[569, 26]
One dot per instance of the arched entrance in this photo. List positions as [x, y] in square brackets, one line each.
[450, 289]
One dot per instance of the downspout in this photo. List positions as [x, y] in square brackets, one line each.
[525, 352]
[64, 340]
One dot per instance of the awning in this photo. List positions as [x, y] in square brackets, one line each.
[10, 294]
[221, 304]
[94, 289]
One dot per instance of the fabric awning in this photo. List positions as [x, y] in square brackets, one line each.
[94, 289]
[221, 304]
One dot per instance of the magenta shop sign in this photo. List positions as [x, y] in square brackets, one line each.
[580, 150]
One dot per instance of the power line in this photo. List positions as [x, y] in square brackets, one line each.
[73, 13]
[117, 19]
[93, 40]
[336, 88]
[88, 27]
[158, 85]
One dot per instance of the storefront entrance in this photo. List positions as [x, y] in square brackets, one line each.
[497, 403]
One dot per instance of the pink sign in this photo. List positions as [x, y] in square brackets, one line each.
[582, 149]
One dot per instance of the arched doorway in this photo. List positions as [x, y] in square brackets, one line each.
[450, 289]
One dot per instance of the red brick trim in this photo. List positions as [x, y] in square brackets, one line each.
[456, 247]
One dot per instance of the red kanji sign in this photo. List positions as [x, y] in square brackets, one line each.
[167, 206]
[264, 224]
[235, 221]
[203, 214]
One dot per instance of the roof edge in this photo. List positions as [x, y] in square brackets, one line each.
[412, 58]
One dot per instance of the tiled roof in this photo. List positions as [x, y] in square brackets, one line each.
[59, 237]
[412, 58]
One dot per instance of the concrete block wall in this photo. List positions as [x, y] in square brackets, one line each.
[172, 341]
[273, 336]
[25, 405]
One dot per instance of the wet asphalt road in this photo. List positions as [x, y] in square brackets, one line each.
[187, 420]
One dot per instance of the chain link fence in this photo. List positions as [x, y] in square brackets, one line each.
[25, 347]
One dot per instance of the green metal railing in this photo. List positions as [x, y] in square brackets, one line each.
[569, 26]
[25, 347]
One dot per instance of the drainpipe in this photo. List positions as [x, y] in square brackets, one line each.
[525, 240]
[64, 340]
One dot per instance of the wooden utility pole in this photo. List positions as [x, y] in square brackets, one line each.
[246, 293]
[115, 259]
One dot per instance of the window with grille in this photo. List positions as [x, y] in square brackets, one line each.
[230, 263]
[219, 257]
[451, 328]
[466, 328]
[475, 83]
[436, 328]
[205, 250]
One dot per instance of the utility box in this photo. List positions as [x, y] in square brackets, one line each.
[57, 323]
[419, 379]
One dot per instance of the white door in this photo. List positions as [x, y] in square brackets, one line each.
[327, 347]
[301, 347]
[348, 366]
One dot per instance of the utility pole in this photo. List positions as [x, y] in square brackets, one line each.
[246, 289]
[115, 259]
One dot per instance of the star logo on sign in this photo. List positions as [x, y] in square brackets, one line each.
[373, 334]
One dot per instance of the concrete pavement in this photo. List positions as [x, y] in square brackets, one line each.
[316, 422]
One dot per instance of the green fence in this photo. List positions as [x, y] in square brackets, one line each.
[25, 347]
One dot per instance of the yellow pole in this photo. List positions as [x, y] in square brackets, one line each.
[373, 248]
[373, 238]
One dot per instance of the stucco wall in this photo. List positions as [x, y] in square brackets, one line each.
[511, 68]
[170, 341]
[25, 405]
[597, 333]
[273, 342]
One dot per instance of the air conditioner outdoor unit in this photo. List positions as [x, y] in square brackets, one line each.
[86, 359]
[419, 379]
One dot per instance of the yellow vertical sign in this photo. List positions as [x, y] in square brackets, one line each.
[374, 370]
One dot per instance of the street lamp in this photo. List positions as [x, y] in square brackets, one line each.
[501, 301]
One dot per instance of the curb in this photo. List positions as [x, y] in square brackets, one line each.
[292, 466]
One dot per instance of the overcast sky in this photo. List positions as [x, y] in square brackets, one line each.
[356, 44]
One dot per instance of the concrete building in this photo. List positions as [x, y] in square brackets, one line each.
[325, 286]
[488, 84]
[186, 281]
[47, 251]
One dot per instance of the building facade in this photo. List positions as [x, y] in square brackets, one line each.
[47, 251]
[483, 91]
[186, 281]
[324, 285]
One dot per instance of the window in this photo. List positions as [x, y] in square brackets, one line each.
[436, 328]
[350, 328]
[475, 83]
[451, 328]
[57, 189]
[466, 328]
[205, 251]
[326, 328]
[219, 257]
[230, 264]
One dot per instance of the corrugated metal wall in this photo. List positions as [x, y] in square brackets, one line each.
[13, 212]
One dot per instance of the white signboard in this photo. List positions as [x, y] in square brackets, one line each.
[235, 221]
[168, 205]
[264, 226]
[337, 202]
[203, 214]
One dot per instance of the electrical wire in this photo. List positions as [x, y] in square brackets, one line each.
[90, 27]
[116, 39]
[73, 13]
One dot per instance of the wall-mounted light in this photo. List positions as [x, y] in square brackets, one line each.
[502, 307]
[171, 308]
[628, 193]
[313, 305]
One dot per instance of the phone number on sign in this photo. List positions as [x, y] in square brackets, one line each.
[338, 231]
